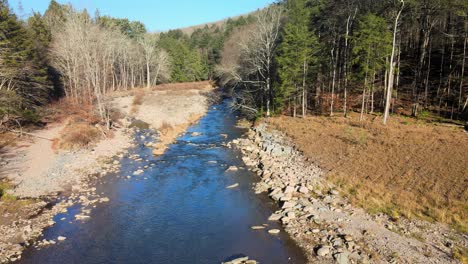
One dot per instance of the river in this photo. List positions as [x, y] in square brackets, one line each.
[178, 211]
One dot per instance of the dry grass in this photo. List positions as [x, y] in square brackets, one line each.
[138, 98]
[7, 139]
[408, 168]
[204, 85]
[78, 135]
[67, 108]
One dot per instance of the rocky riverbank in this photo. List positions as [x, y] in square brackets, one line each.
[324, 223]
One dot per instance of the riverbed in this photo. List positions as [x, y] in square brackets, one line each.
[178, 211]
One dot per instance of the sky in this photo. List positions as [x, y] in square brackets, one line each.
[157, 15]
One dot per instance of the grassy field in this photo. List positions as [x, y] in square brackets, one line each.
[411, 168]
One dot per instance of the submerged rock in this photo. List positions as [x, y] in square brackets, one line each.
[274, 231]
[233, 186]
[257, 227]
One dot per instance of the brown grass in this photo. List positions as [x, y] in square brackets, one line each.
[7, 139]
[410, 167]
[68, 108]
[203, 85]
[138, 98]
[78, 135]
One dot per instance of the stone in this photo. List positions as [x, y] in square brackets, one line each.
[237, 260]
[61, 238]
[288, 204]
[139, 124]
[334, 192]
[104, 200]
[82, 217]
[289, 190]
[195, 134]
[232, 168]
[233, 186]
[304, 190]
[323, 251]
[273, 231]
[291, 215]
[274, 217]
[138, 172]
[342, 258]
[257, 227]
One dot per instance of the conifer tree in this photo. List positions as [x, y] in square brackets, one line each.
[296, 54]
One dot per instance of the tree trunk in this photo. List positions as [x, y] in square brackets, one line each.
[462, 75]
[390, 74]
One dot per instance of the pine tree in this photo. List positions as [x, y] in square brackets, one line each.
[23, 77]
[296, 54]
[372, 46]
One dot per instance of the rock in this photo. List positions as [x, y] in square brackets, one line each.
[274, 231]
[342, 258]
[323, 251]
[304, 190]
[82, 217]
[274, 217]
[237, 260]
[104, 200]
[291, 215]
[257, 227]
[138, 172]
[139, 124]
[334, 192]
[61, 238]
[232, 168]
[233, 186]
[289, 190]
[287, 205]
[195, 134]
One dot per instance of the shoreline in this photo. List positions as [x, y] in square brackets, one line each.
[323, 222]
[25, 229]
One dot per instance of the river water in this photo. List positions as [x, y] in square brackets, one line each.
[178, 211]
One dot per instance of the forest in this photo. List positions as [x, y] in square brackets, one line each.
[295, 57]
[332, 56]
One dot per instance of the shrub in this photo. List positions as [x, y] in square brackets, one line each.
[78, 135]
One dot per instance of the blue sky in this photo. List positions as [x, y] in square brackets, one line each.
[157, 15]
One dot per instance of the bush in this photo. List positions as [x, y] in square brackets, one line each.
[78, 135]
